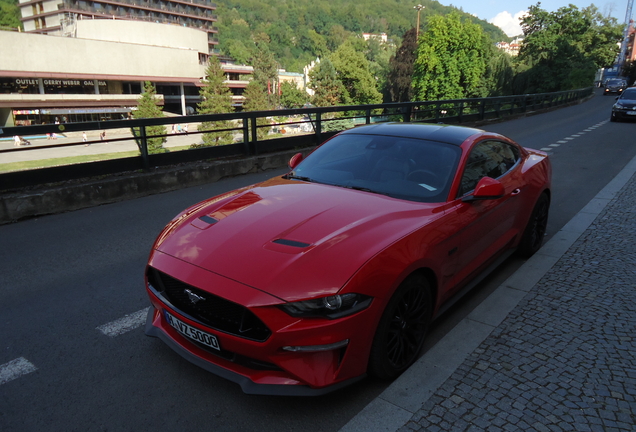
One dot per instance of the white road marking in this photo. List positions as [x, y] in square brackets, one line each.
[125, 324]
[15, 369]
[573, 136]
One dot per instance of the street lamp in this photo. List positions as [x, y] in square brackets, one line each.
[419, 7]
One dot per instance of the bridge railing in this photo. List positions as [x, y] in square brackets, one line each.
[279, 130]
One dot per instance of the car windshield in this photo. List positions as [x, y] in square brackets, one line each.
[615, 82]
[404, 168]
[630, 93]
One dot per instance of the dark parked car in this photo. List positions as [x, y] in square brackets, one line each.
[625, 106]
[615, 85]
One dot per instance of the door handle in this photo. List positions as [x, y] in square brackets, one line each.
[515, 192]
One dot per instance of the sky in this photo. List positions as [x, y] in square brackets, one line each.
[505, 14]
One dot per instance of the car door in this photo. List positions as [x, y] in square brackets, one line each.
[487, 226]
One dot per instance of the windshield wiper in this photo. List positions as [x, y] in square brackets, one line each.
[364, 189]
[302, 178]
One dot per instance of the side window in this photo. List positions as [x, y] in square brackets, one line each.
[488, 159]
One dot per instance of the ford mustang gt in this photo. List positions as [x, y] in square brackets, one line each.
[310, 281]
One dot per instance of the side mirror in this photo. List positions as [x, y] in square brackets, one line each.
[295, 160]
[487, 189]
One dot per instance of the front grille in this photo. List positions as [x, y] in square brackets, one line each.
[213, 311]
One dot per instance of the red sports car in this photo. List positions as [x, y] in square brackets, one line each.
[308, 282]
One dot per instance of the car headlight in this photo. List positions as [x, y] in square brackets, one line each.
[331, 307]
[619, 106]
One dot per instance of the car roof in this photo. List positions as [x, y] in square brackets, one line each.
[455, 135]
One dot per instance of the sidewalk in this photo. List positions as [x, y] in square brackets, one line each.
[552, 349]
[34, 152]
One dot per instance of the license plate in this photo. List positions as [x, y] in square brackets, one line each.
[631, 112]
[192, 332]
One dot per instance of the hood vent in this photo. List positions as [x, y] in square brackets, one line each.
[208, 219]
[292, 243]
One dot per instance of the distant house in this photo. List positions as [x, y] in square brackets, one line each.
[382, 37]
[511, 48]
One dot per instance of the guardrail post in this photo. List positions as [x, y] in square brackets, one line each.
[524, 104]
[254, 132]
[246, 136]
[368, 116]
[144, 148]
[318, 127]
[460, 112]
[406, 114]
[482, 109]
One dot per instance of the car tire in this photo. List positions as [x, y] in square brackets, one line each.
[402, 329]
[535, 229]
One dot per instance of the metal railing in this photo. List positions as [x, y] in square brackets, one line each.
[317, 123]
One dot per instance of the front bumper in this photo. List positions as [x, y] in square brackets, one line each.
[277, 363]
[247, 385]
[622, 114]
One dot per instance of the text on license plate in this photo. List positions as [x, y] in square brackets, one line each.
[631, 112]
[192, 333]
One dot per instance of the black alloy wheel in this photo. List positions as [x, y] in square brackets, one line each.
[535, 230]
[402, 328]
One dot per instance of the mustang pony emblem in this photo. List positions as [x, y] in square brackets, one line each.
[194, 298]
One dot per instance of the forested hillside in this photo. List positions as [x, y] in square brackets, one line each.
[298, 31]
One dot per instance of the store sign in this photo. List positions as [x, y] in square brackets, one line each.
[50, 82]
[21, 81]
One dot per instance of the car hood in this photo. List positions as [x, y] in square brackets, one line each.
[291, 239]
[628, 102]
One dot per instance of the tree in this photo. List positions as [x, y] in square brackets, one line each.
[216, 98]
[10, 14]
[328, 89]
[148, 108]
[451, 59]
[266, 71]
[353, 71]
[563, 49]
[256, 100]
[499, 76]
[291, 96]
[401, 69]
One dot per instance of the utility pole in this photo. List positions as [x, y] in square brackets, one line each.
[419, 8]
[628, 17]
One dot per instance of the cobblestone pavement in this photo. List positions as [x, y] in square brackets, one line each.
[565, 358]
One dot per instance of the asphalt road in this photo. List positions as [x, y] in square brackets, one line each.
[64, 277]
